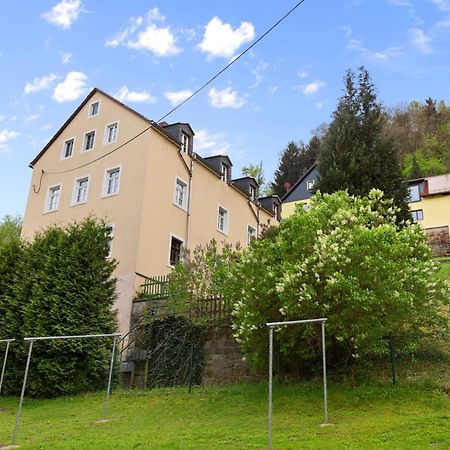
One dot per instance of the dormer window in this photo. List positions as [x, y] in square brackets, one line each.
[276, 210]
[184, 143]
[310, 185]
[225, 172]
[252, 192]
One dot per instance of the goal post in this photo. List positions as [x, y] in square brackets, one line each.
[32, 340]
[5, 358]
[272, 326]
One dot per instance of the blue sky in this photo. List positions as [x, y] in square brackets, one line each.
[150, 54]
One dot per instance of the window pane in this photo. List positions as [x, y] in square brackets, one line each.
[414, 193]
[175, 251]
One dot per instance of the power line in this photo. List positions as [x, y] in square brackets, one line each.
[233, 61]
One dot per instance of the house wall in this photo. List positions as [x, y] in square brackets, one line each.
[161, 218]
[436, 210]
[122, 210]
[289, 208]
[143, 212]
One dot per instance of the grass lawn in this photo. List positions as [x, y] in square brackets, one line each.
[445, 270]
[376, 415]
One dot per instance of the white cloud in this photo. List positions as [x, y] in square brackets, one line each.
[159, 41]
[274, 89]
[2, 118]
[220, 40]
[144, 34]
[47, 126]
[211, 144]
[443, 5]
[400, 2]
[383, 55]
[5, 137]
[227, 98]
[125, 95]
[420, 40]
[312, 88]
[39, 84]
[121, 37]
[32, 117]
[302, 73]
[176, 97]
[64, 13]
[258, 72]
[73, 87]
[65, 57]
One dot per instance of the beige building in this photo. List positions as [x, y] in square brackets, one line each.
[146, 180]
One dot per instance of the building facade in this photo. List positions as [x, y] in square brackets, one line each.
[429, 202]
[147, 182]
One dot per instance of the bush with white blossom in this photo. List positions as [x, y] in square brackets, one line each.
[345, 258]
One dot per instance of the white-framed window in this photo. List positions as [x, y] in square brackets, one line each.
[111, 132]
[175, 248]
[67, 149]
[414, 193]
[251, 234]
[252, 192]
[310, 185]
[94, 108]
[80, 190]
[417, 215]
[276, 210]
[111, 182]
[184, 143]
[180, 195]
[225, 170]
[53, 196]
[222, 220]
[111, 235]
[89, 141]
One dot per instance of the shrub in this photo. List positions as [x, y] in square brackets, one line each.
[61, 285]
[344, 258]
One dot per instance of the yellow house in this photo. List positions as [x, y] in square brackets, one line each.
[429, 204]
[300, 192]
[147, 182]
[430, 207]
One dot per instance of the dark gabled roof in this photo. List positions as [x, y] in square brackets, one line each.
[89, 96]
[270, 196]
[291, 190]
[204, 163]
[207, 158]
[244, 178]
[178, 123]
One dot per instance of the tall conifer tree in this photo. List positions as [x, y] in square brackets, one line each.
[355, 153]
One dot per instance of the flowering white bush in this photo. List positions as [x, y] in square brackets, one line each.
[345, 258]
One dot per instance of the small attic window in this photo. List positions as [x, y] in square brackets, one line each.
[252, 192]
[184, 143]
[94, 109]
[225, 170]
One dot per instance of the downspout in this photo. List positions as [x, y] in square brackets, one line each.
[188, 212]
[257, 216]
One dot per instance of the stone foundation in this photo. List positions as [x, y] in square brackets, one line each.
[439, 240]
[223, 361]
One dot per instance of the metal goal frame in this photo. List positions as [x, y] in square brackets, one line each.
[272, 326]
[5, 358]
[32, 340]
